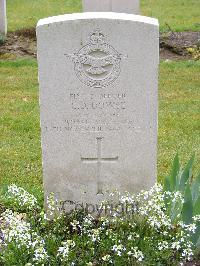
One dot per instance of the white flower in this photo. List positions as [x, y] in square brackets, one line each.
[176, 245]
[94, 234]
[196, 218]
[163, 245]
[21, 197]
[107, 258]
[75, 225]
[52, 205]
[130, 237]
[191, 228]
[40, 255]
[135, 252]
[118, 249]
[63, 251]
[19, 232]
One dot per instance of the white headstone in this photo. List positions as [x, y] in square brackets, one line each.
[120, 6]
[3, 19]
[98, 100]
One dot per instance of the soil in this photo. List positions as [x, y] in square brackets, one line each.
[173, 45]
[18, 44]
[192, 263]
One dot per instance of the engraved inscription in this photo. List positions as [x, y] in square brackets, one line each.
[99, 160]
[97, 64]
[78, 125]
[95, 112]
[109, 102]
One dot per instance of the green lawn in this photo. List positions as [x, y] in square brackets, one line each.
[20, 153]
[19, 125]
[179, 113]
[180, 15]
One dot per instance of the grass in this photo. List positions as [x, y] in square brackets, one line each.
[19, 131]
[25, 14]
[179, 114]
[20, 153]
[180, 15]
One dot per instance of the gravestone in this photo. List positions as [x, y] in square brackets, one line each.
[121, 6]
[3, 20]
[98, 101]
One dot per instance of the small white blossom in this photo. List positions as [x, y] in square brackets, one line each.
[163, 245]
[107, 258]
[40, 255]
[135, 252]
[118, 249]
[21, 197]
[196, 218]
[63, 251]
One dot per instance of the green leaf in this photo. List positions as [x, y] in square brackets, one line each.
[187, 210]
[195, 188]
[186, 174]
[198, 243]
[167, 183]
[176, 209]
[174, 173]
[196, 207]
[196, 237]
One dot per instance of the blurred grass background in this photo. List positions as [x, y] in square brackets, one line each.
[177, 15]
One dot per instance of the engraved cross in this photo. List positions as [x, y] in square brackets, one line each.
[99, 160]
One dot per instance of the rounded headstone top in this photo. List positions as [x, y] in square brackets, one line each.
[97, 15]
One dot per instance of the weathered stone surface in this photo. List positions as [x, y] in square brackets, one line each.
[3, 19]
[120, 6]
[98, 101]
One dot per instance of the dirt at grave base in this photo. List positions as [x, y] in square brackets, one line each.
[173, 45]
[18, 44]
[192, 263]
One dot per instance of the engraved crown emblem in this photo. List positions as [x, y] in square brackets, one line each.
[97, 37]
[97, 64]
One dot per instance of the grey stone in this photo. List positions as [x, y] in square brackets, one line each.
[121, 6]
[3, 19]
[98, 75]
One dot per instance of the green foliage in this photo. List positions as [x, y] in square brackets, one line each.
[181, 180]
[187, 211]
[144, 236]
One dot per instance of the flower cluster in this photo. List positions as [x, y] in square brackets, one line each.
[135, 252]
[21, 197]
[16, 231]
[52, 205]
[64, 250]
[148, 235]
[118, 249]
[107, 258]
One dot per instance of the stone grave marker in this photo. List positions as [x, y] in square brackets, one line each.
[98, 75]
[3, 19]
[121, 6]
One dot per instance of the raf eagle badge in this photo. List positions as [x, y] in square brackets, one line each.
[97, 64]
